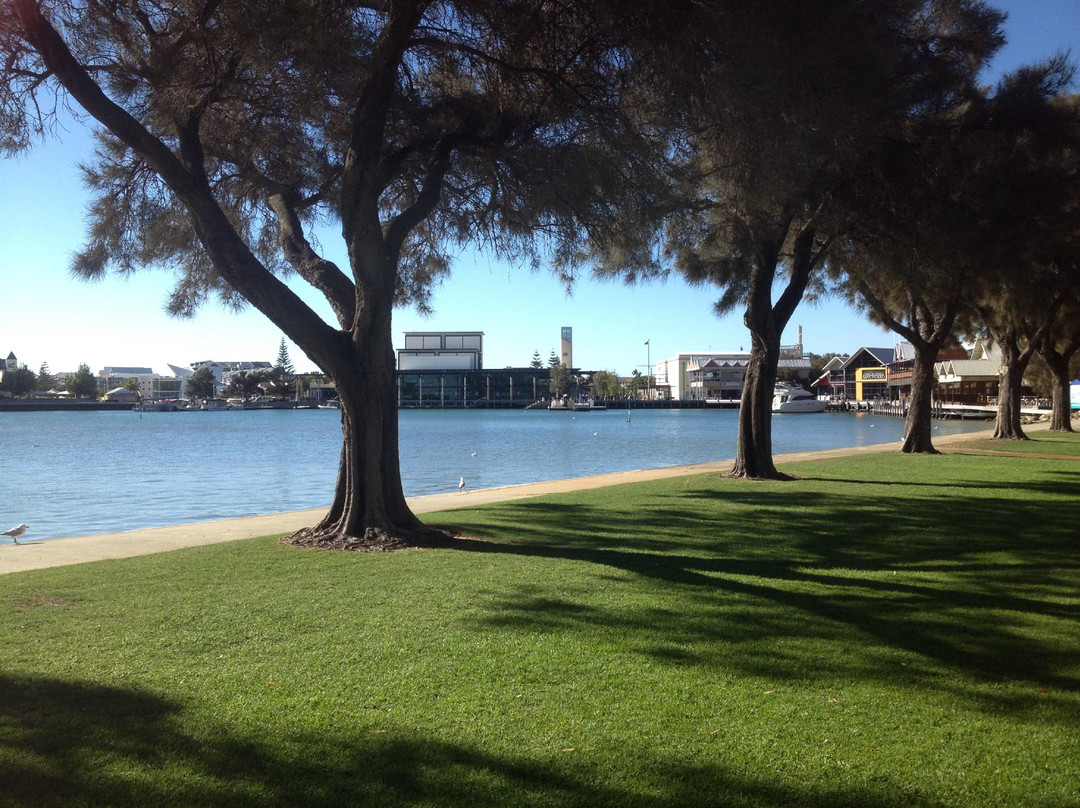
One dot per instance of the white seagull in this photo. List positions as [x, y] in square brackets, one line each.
[461, 485]
[15, 532]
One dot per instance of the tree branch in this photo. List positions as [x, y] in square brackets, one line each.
[230, 255]
[320, 272]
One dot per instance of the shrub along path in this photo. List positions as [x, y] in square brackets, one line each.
[887, 630]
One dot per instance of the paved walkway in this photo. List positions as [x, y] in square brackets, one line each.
[31, 555]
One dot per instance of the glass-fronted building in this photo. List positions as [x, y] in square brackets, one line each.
[507, 387]
[446, 369]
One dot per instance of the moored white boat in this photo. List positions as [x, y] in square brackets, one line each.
[788, 398]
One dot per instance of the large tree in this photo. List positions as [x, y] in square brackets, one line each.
[1029, 223]
[18, 382]
[916, 236]
[82, 383]
[202, 383]
[229, 130]
[243, 384]
[793, 104]
[1057, 350]
[45, 380]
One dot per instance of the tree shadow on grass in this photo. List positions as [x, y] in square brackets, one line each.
[70, 744]
[978, 584]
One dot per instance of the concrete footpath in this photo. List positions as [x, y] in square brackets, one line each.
[30, 555]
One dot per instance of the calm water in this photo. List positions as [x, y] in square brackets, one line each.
[68, 474]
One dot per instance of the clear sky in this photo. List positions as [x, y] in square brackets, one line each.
[47, 316]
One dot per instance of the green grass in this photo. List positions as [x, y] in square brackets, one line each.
[886, 631]
[1041, 442]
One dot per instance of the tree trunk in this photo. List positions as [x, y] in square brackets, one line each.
[1007, 426]
[753, 452]
[1061, 418]
[369, 511]
[918, 429]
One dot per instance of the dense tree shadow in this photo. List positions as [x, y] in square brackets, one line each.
[75, 744]
[957, 582]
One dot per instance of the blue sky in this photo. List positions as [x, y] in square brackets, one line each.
[45, 315]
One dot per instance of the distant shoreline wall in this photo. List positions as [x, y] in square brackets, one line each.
[30, 405]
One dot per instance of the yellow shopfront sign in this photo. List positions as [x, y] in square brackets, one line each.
[872, 377]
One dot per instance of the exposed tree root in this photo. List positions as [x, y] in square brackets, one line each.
[776, 475]
[373, 541]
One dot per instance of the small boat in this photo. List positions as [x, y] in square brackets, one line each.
[788, 398]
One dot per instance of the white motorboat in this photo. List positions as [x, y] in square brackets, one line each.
[787, 398]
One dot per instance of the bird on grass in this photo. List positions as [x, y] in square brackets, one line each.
[15, 532]
[461, 485]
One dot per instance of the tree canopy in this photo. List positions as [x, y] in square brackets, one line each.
[782, 107]
[202, 383]
[82, 383]
[228, 132]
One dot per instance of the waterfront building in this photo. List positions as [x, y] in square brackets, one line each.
[221, 370]
[701, 375]
[566, 346]
[442, 350]
[504, 387]
[720, 376]
[902, 367]
[167, 387]
[970, 380]
[831, 381]
[862, 376]
[446, 369]
[112, 376]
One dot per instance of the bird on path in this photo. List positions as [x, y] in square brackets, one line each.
[461, 485]
[15, 532]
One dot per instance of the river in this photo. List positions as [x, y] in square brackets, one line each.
[76, 473]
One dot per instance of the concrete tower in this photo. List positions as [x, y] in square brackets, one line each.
[567, 346]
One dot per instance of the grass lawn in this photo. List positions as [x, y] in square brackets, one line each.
[1056, 443]
[886, 631]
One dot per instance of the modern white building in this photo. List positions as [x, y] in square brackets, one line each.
[712, 376]
[442, 350]
[701, 375]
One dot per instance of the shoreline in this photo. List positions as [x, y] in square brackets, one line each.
[61, 552]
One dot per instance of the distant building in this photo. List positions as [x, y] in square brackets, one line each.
[860, 377]
[223, 372]
[566, 346]
[111, 377]
[122, 394]
[971, 380]
[831, 381]
[442, 350]
[902, 368]
[446, 369]
[10, 365]
[697, 376]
